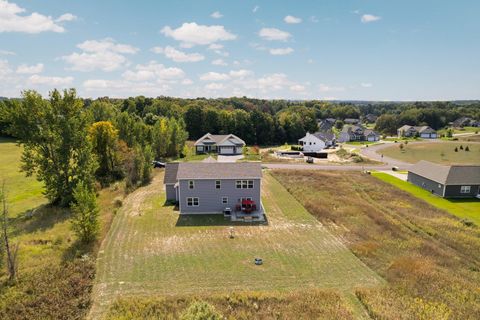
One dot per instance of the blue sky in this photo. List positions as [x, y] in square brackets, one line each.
[325, 49]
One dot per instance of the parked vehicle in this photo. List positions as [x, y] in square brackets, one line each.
[158, 164]
[310, 160]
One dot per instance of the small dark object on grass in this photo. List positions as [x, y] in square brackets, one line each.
[258, 261]
[395, 168]
[309, 160]
[158, 164]
[468, 223]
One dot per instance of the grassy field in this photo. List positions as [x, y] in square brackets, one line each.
[462, 208]
[429, 258]
[151, 251]
[439, 152]
[473, 138]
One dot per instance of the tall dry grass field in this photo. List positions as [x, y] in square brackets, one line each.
[430, 260]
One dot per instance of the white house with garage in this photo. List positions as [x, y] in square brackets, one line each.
[316, 142]
[226, 144]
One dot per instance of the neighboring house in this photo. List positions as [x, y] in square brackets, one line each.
[219, 143]
[475, 123]
[370, 118]
[424, 132]
[326, 124]
[316, 142]
[357, 133]
[456, 181]
[211, 188]
[351, 121]
[462, 122]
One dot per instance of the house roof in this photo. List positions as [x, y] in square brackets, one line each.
[325, 135]
[448, 175]
[220, 139]
[419, 129]
[171, 169]
[368, 132]
[219, 170]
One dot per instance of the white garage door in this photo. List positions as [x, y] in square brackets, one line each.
[226, 150]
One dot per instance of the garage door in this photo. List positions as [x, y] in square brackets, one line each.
[226, 150]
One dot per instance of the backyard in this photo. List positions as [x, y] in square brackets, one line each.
[429, 258]
[151, 251]
[439, 152]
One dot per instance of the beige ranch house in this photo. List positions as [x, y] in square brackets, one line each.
[225, 144]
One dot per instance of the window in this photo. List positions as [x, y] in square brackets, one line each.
[191, 184]
[465, 189]
[225, 200]
[244, 184]
[192, 202]
[218, 184]
[246, 198]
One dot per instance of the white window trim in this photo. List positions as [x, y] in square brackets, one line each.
[193, 201]
[224, 200]
[463, 189]
[219, 184]
[244, 184]
[192, 182]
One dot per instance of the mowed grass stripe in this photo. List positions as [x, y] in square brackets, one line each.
[147, 254]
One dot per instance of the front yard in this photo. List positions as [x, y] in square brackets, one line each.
[150, 251]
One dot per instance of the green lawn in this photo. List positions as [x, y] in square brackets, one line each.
[462, 208]
[150, 251]
[438, 152]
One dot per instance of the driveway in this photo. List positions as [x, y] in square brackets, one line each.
[232, 158]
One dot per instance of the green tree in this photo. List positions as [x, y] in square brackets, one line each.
[56, 147]
[161, 138]
[104, 139]
[85, 213]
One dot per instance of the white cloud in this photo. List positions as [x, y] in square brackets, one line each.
[66, 17]
[281, 51]
[292, 20]
[153, 71]
[190, 34]
[12, 20]
[50, 81]
[241, 74]
[214, 86]
[216, 15]
[4, 69]
[366, 18]
[297, 88]
[7, 53]
[366, 85]
[26, 69]
[276, 81]
[105, 55]
[219, 62]
[187, 82]
[123, 88]
[255, 9]
[325, 88]
[314, 19]
[215, 46]
[274, 34]
[177, 55]
[214, 76]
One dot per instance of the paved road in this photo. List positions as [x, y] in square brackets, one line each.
[371, 152]
[293, 166]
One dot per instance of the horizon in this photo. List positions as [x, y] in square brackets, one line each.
[326, 51]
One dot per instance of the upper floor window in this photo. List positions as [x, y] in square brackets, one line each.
[244, 184]
[465, 189]
[218, 184]
[191, 184]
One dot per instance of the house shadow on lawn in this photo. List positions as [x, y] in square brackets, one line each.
[203, 220]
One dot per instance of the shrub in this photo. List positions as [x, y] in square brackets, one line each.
[467, 148]
[201, 310]
[456, 149]
[85, 214]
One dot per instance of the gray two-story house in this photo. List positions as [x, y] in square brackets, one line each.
[215, 187]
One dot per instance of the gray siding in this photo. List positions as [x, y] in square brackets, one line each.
[426, 184]
[170, 192]
[210, 198]
[454, 191]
